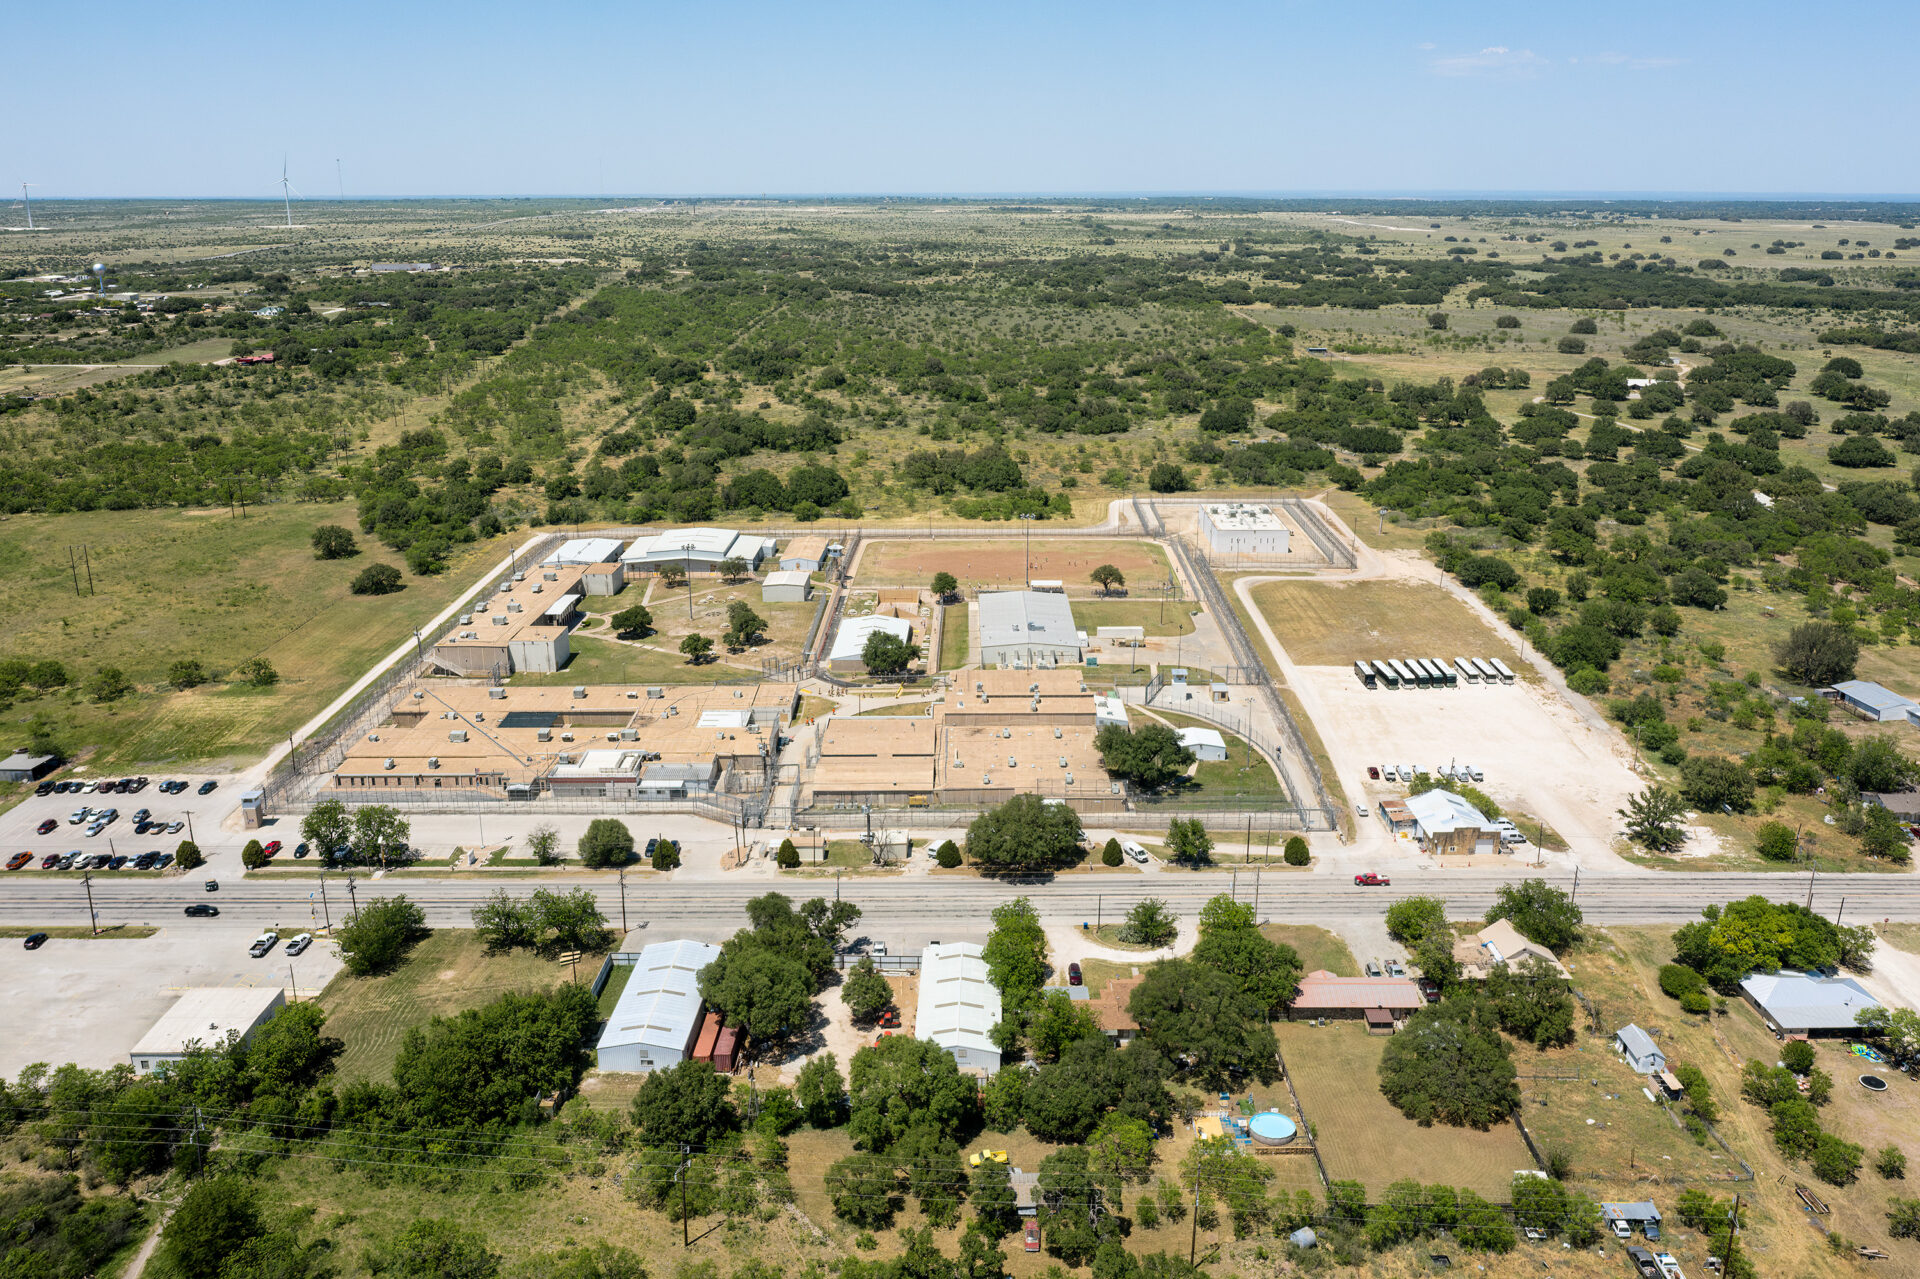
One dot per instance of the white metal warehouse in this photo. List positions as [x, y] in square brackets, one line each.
[1028, 629]
[658, 1013]
[205, 1017]
[698, 550]
[959, 1004]
[1237, 528]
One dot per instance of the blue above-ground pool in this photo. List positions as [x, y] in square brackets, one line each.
[1272, 1129]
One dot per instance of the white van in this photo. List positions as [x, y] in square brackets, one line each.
[1134, 852]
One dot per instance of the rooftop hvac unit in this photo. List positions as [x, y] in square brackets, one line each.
[564, 757]
[631, 695]
[1056, 733]
[373, 737]
[1011, 763]
[672, 711]
[551, 577]
[519, 577]
[513, 606]
[543, 735]
[985, 780]
[505, 587]
[497, 694]
[739, 692]
[1114, 787]
[629, 734]
[613, 737]
[389, 762]
[656, 691]
[1063, 761]
[479, 717]
[499, 619]
[457, 735]
[433, 761]
[537, 588]
[482, 607]
[1069, 779]
[719, 734]
[466, 619]
[418, 694]
[579, 691]
[566, 737]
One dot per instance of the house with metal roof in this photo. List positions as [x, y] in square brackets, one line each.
[1875, 702]
[1028, 629]
[1639, 1049]
[1634, 1214]
[1446, 823]
[205, 1017]
[1382, 1002]
[657, 1016]
[1501, 943]
[959, 1004]
[1796, 1003]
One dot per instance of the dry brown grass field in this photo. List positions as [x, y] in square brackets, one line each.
[1335, 624]
[986, 564]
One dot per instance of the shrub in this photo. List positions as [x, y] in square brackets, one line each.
[1297, 853]
[1679, 981]
[1572, 346]
[254, 855]
[607, 842]
[1776, 842]
[949, 855]
[331, 542]
[188, 856]
[788, 857]
[1798, 1056]
[1891, 1163]
[376, 579]
[1111, 855]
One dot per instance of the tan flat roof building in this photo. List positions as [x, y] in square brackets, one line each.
[521, 627]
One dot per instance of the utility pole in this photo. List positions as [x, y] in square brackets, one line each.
[350, 896]
[1733, 1231]
[326, 910]
[74, 565]
[1840, 912]
[1575, 895]
[87, 559]
[1249, 837]
[686, 1240]
[1193, 1243]
[1256, 895]
[291, 982]
[93, 919]
[1810, 875]
[190, 838]
[623, 900]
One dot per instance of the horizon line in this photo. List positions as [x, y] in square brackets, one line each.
[1395, 194]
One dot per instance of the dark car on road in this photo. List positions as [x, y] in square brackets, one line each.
[36, 940]
[207, 788]
[202, 910]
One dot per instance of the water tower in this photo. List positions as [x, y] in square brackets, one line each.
[100, 274]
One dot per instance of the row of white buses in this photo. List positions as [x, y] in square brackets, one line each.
[1428, 672]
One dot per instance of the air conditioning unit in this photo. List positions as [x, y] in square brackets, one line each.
[566, 737]
[466, 619]
[513, 606]
[457, 735]
[579, 692]
[537, 588]
[519, 577]
[543, 735]
[631, 695]
[433, 761]
[1063, 761]
[389, 763]
[551, 577]
[1056, 733]
[1069, 779]
[1011, 763]
[499, 694]
[373, 737]
[479, 717]
[499, 619]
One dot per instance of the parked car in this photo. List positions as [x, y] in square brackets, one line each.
[119, 862]
[272, 848]
[202, 910]
[78, 815]
[1406, 772]
[1372, 878]
[18, 860]
[1395, 968]
[36, 940]
[49, 861]
[48, 826]
[300, 850]
[1373, 969]
[263, 943]
[207, 788]
[1643, 1262]
[1476, 774]
[45, 788]
[890, 1019]
[174, 828]
[1032, 1236]
[1373, 772]
[652, 845]
[1621, 1230]
[1073, 974]
[299, 943]
[1134, 852]
[1652, 1231]
[141, 814]
[66, 863]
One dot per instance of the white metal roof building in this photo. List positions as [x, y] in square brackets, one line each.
[786, 586]
[1796, 1003]
[959, 1004]
[851, 638]
[658, 1013]
[1238, 528]
[1639, 1049]
[206, 1017]
[1874, 702]
[582, 551]
[698, 549]
[1446, 823]
[1027, 629]
[1205, 743]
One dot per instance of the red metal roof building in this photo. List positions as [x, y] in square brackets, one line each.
[1322, 994]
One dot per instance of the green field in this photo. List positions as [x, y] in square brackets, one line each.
[953, 637]
[1170, 617]
[1318, 949]
[176, 584]
[448, 971]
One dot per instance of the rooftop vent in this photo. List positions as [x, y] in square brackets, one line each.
[389, 762]
[656, 692]
[373, 737]
[457, 735]
[418, 694]
[579, 691]
[433, 761]
[1069, 779]
[497, 694]
[672, 711]
[479, 717]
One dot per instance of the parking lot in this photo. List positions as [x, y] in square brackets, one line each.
[89, 1001]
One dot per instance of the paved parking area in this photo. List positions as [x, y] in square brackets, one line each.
[89, 1001]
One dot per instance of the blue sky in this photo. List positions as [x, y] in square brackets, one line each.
[734, 97]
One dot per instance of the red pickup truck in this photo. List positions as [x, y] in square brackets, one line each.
[1371, 878]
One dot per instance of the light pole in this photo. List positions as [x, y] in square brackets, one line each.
[687, 550]
[190, 838]
[1028, 520]
[93, 917]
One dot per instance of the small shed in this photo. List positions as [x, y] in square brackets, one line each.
[1205, 743]
[1218, 692]
[1639, 1049]
[608, 578]
[22, 767]
[1639, 1214]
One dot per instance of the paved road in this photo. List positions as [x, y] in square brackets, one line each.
[909, 911]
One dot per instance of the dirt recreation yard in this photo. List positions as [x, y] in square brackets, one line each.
[990, 564]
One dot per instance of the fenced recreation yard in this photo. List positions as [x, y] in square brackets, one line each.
[990, 564]
[1336, 1071]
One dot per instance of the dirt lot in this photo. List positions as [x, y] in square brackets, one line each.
[1337, 624]
[1336, 1071]
[996, 565]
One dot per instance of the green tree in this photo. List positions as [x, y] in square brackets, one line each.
[1110, 854]
[1891, 1163]
[482, 1065]
[1796, 1126]
[1450, 1065]
[332, 542]
[1120, 1151]
[570, 920]
[1188, 841]
[886, 654]
[1165, 477]
[744, 626]
[505, 922]
[1411, 919]
[672, 575]
[949, 855]
[1836, 1161]
[944, 586]
[734, 569]
[1149, 923]
[1057, 1021]
[288, 1054]
[254, 855]
[432, 1249]
[1297, 853]
[129, 1132]
[380, 834]
[328, 829]
[215, 1217]
[866, 993]
[822, 1091]
[1653, 819]
[1151, 756]
[1776, 842]
[902, 1081]
[696, 647]
[1712, 782]
[376, 579]
[991, 1192]
[1539, 912]
[543, 841]
[379, 934]
[1024, 834]
[864, 1189]
[634, 620]
[765, 992]
[1231, 943]
[186, 673]
[1877, 765]
[1199, 1018]
[1903, 1218]
[109, 684]
[1016, 952]
[1108, 578]
[687, 1102]
[1884, 836]
[187, 856]
[1066, 1201]
[607, 842]
[1818, 653]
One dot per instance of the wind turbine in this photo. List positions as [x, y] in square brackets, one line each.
[29, 203]
[286, 186]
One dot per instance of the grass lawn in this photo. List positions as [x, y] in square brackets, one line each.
[1335, 624]
[610, 993]
[1171, 617]
[1336, 1071]
[1243, 774]
[603, 661]
[174, 584]
[108, 932]
[1096, 973]
[953, 637]
[1900, 936]
[1318, 949]
[448, 971]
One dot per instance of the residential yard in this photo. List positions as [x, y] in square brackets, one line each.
[1318, 949]
[448, 971]
[1336, 1071]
